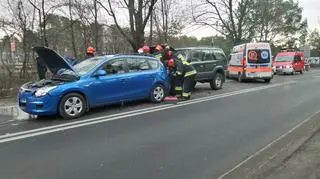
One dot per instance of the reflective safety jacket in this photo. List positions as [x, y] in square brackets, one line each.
[183, 67]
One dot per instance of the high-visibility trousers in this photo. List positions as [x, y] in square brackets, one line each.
[188, 82]
[176, 85]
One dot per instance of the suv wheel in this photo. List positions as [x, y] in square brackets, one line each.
[72, 105]
[217, 82]
[158, 93]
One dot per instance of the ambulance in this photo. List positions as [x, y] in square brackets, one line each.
[251, 61]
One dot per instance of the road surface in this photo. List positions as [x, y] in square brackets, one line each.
[198, 139]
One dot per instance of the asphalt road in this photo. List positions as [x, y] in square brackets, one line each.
[202, 139]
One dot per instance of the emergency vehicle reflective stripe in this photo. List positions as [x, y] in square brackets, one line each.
[178, 88]
[260, 69]
[186, 94]
[189, 73]
[235, 69]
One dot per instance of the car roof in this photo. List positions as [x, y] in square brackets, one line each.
[198, 47]
[110, 57]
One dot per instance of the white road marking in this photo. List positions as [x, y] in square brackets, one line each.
[92, 121]
[266, 147]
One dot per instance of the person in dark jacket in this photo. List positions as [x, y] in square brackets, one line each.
[41, 68]
[183, 74]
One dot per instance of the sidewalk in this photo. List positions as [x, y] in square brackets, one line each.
[304, 163]
[9, 107]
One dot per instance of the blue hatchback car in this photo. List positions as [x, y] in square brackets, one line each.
[97, 81]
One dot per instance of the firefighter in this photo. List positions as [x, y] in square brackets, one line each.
[184, 73]
[158, 52]
[145, 50]
[90, 52]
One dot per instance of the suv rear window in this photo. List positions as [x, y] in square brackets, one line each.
[198, 55]
[258, 56]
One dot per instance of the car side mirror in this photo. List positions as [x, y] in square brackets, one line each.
[100, 73]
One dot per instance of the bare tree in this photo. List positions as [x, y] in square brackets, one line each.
[138, 12]
[43, 10]
[170, 16]
[232, 18]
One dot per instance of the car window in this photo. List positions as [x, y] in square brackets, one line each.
[116, 66]
[138, 64]
[154, 64]
[196, 56]
[297, 58]
[220, 56]
[208, 55]
[183, 52]
[86, 65]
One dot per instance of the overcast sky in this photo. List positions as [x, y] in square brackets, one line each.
[311, 11]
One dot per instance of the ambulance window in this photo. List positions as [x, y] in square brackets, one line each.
[258, 56]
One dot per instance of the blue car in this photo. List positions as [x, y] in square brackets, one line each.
[97, 81]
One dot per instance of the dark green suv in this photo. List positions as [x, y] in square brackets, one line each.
[210, 63]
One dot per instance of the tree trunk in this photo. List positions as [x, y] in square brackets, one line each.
[96, 28]
[72, 31]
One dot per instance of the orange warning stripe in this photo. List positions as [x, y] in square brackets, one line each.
[235, 68]
[259, 69]
[248, 69]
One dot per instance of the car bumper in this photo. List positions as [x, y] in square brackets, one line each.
[285, 70]
[46, 105]
[260, 75]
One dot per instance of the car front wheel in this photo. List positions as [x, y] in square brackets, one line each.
[158, 93]
[217, 82]
[72, 105]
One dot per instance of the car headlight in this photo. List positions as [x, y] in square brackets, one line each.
[43, 91]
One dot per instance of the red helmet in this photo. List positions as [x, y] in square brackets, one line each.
[171, 63]
[91, 50]
[146, 49]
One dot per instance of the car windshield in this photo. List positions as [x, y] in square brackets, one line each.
[87, 65]
[65, 75]
[284, 59]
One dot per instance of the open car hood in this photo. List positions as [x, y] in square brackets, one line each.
[52, 59]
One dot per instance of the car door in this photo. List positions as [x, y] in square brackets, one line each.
[221, 59]
[111, 87]
[209, 61]
[140, 77]
[297, 63]
[196, 59]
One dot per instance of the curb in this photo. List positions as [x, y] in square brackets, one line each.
[264, 161]
[9, 110]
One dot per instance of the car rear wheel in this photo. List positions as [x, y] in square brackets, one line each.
[217, 82]
[240, 78]
[72, 105]
[158, 94]
[301, 72]
[267, 80]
